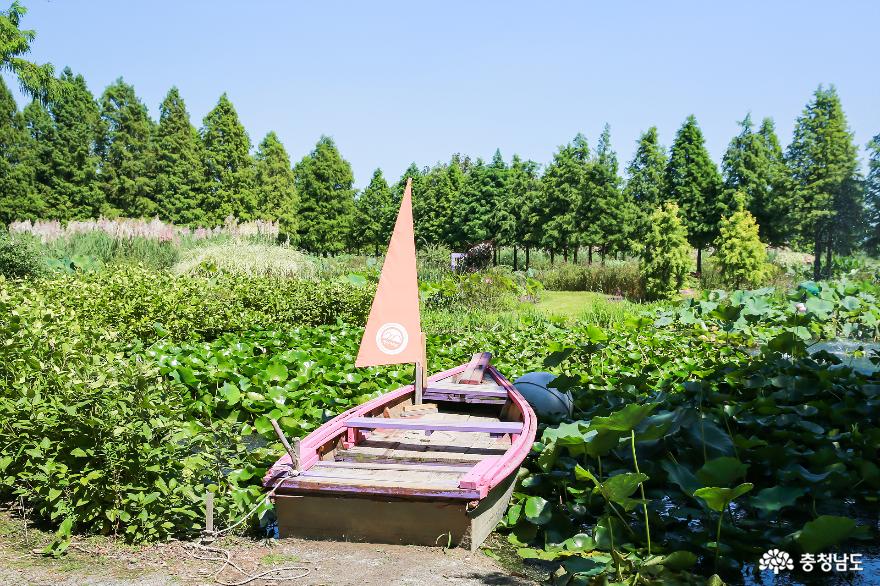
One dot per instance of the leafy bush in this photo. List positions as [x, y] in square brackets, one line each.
[134, 303]
[666, 254]
[740, 255]
[19, 257]
[613, 278]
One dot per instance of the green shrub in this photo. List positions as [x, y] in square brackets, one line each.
[740, 255]
[134, 303]
[20, 256]
[666, 255]
[612, 278]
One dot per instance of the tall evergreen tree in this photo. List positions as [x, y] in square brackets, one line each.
[646, 180]
[824, 168]
[125, 153]
[776, 209]
[276, 187]
[178, 164]
[41, 139]
[750, 167]
[19, 200]
[517, 210]
[375, 213]
[435, 199]
[614, 214]
[229, 165]
[872, 194]
[324, 183]
[693, 182]
[560, 195]
[75, 190]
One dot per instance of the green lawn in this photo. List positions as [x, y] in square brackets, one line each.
[586, 305]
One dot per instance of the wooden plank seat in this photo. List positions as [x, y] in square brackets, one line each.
[494, 427]
[476, 368]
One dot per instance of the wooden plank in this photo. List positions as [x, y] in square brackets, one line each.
[473, 372]
[378, 466]
[463, 390]
[477, 399]
[450, 386]
[475, 475]
[431, 425]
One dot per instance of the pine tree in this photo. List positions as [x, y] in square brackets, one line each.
[75, 190]
[229, 165]
[646, 181]
[693, 182]
[824, 168]
[614, 214]
[41, 139]
[375, 213]
[19, 199]
[125, 153]
[775, 210]
[435, 206]
[276, 187]
[38, 81]
[324, 183]
[872, 194]
[517, 210]
[178, 172]
[751, 167]
[666, 255]
[561, 197]
[740, 254]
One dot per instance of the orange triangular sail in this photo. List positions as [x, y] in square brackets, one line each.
[393, 332]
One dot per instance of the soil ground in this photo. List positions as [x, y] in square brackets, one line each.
[99, 561]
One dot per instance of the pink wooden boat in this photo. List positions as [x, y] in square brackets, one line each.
[394, 471]
[432, 463]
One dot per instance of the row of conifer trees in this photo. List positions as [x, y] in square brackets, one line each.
[76, 157]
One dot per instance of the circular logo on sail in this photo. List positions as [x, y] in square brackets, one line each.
[392, 338]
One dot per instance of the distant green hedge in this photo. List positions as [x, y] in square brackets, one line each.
[613, 278]
[135, 303]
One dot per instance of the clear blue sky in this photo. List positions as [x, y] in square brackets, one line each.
[396, 82]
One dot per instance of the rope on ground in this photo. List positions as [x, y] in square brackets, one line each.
[258, 505]
[197, 551]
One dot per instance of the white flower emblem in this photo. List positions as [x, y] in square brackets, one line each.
[392, 338]
[776, 560]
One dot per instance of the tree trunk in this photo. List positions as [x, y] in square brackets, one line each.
[829, 254]
[602, 255]
[699, 260]
[565, 254]
[575, 256]
[590, 254]
[514, 258]
[376, 248]
[817, 257]
[527, 258]
[552, 255]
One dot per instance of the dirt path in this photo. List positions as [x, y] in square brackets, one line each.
[104, 562]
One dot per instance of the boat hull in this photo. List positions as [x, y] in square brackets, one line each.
[401, 521]
[395, 470]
